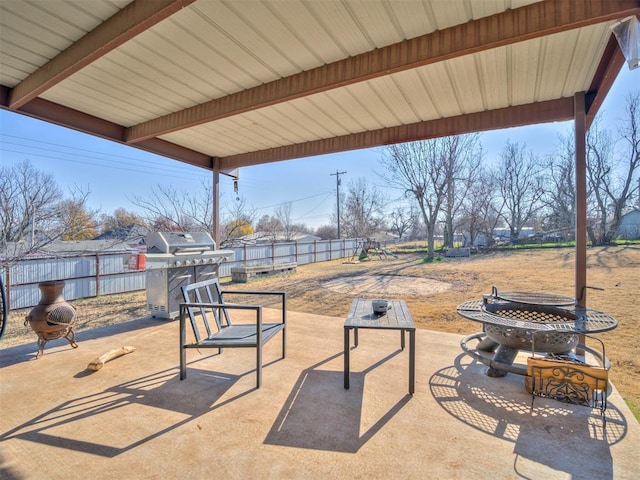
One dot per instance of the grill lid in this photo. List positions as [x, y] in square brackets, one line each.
[179, 242]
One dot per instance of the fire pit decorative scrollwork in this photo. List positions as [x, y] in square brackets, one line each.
[509, 320]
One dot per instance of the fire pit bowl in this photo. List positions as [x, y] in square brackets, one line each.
[509, 320]
[516, 337]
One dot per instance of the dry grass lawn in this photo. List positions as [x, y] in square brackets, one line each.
[432, 292]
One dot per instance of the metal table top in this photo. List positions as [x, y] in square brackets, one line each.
[361, 316]
[588, 320]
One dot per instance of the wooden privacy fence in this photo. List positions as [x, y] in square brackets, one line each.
[105, 273]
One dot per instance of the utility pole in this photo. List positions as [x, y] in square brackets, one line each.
[337, 174]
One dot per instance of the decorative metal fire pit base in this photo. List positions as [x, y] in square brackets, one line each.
[510, 319]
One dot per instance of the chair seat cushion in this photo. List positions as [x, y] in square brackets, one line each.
[239, 336]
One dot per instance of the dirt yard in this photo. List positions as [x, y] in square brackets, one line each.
[432, 292]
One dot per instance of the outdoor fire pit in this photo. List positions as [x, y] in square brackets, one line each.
[510, 319]
[53, 317]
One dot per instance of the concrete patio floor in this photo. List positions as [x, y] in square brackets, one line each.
[134, 418]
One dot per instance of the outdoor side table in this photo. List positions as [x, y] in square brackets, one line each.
[397, 318]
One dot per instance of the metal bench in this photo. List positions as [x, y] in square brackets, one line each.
[243, 273]
[210, 319]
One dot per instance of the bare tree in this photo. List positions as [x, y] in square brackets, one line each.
[362, 213]
[77, 221]
[327, 232]
[480, 206]
[120, 221]
[560, 187]
[168, 209]
[237, 222]
[28, 206]
[460, 161]
[613, 173]
[284, 213]
[416, 169]
[402, 220]
[269, 226]
[521, 186]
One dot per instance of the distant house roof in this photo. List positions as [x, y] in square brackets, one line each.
[132, 233]
[263, 237]
[86, 246]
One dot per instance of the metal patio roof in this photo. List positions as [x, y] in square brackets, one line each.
[223, 84]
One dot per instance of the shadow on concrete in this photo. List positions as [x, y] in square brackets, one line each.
[71, 424]
[560, 436]
[27, 351]
[318, 416]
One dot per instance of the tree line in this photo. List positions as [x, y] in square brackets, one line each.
[444, 184]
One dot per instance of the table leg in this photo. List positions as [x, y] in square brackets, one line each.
[412, 361]
[402, 332]
[355, 337]
[346, 357]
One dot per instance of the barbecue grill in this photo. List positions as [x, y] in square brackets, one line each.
[175, 259]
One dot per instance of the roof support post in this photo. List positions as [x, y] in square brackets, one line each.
[215, 208]
[580, 120]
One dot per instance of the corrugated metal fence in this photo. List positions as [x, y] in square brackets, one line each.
[90, 275]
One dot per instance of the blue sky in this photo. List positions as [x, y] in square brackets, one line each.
[113, 172]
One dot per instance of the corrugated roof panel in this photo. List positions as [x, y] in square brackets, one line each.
[300, 21]
[450, 13]
[417, 93]
[205, 138]
[465, 78]
[494, 78]
[591, 42]
[523, 58]
[414, 17]
[355, 103]
[41, 30]
[437, 80]
[218, 49]
[554, 64]
[104, 103]
[340, 113]
[284, 128]
[199, 67]
[317, 117]
[336, 19]
[229, 137]
[283, 31]
[377, 21]
[245, 27]
[369, 97]
[395, 99]
[17, 62]
[484, 8]
[171, 67]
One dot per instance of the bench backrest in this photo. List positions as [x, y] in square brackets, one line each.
[566, 380]
[207, 291]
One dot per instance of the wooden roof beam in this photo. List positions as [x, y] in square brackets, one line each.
[67, 117]
[532, 21]
[534, 113]
[611, 63]
[132, 20]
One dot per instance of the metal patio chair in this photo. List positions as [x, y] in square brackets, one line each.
[210, 319]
